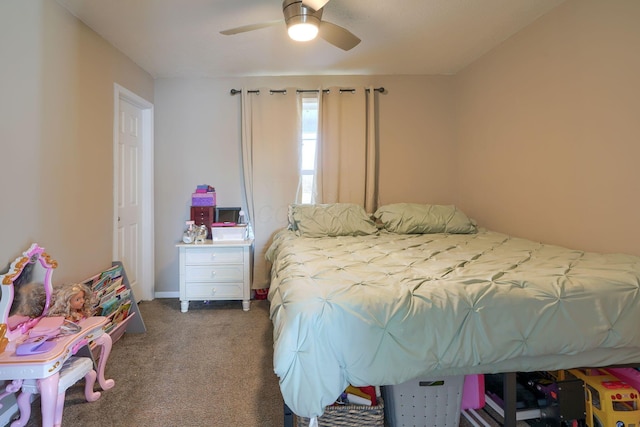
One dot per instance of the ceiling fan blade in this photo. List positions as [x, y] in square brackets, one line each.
[315, 4]
[251, 27]
[338, 36]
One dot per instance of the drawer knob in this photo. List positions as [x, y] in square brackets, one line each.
[213, 274]
[213, 291]
[213, 256]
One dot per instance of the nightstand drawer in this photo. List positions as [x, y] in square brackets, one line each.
[196, 256]
[215, 273]
[208, 291]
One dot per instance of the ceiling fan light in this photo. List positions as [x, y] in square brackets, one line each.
[303, 31]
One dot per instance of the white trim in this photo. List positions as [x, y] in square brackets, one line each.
[169, 294]
[147, 273]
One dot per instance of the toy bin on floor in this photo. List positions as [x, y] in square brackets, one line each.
[433, 402]
[473, 392]
[349, 416]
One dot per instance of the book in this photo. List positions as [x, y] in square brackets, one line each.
[354, 399]
[115, 285]
[101, 283]
[122, 312]
[361, 395]
[109, 306]
[111, 302]
[107, 297]
[371, 392]
[113, 272]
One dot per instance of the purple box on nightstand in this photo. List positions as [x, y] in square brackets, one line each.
[203, 199]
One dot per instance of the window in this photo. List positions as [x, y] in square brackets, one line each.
[309, 140]
[595, 396]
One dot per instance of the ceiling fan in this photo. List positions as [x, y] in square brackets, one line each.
[304, 22]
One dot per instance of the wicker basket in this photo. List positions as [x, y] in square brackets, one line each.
[349, 416]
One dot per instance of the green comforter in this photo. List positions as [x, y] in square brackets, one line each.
[386, 308]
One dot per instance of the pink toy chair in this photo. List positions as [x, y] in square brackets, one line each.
[72, 371]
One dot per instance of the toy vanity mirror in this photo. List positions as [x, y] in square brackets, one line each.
[26, 293]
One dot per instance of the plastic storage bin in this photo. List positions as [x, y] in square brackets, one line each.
[238, 232]
[432, 402]
[473, 392]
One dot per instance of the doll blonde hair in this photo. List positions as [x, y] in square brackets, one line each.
[61, 299]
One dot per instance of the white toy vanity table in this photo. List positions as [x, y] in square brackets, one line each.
[46, 373]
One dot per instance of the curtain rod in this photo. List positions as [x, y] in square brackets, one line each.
[283, 91]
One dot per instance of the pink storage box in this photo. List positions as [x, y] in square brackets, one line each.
[203, 199]
[473, 392]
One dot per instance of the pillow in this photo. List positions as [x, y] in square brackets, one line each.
[414, 218]
[333, 219]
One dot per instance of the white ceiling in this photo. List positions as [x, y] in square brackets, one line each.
[181, 38]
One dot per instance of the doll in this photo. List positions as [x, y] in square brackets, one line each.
[73, 301]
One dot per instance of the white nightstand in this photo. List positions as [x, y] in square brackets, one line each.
[215, 270]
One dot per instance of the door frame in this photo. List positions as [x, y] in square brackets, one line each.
[147, 268]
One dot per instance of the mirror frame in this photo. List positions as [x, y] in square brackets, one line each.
[34, 254]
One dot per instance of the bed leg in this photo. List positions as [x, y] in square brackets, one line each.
[510, 399]
[288, 416]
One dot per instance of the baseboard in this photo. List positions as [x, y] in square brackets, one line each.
[176, 294]
[171, 294]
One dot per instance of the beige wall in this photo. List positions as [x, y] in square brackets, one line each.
[198, 142]
[548, 126]
[56, 136]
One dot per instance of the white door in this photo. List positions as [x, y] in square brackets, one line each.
[129, 204]
[133, 237]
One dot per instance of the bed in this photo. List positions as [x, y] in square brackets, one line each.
[421, 291]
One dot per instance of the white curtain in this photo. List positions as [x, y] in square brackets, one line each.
[270, 157]
[347, 148]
